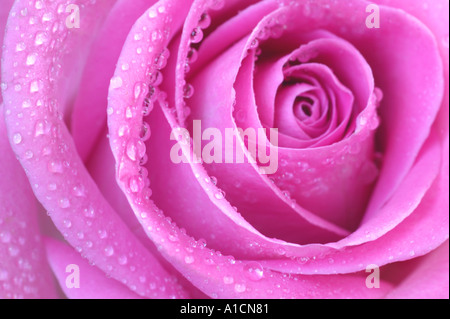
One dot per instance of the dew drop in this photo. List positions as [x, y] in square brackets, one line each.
[219, 195]
[109, 251]
[204, 21]
[29, 155]
[13, 251]
[55, 167]
[5, 237]
[161, 60]
[228, 280]
[20, 47]
[155, 78]
[64, 203]
[240, 288]
[102, 234]
[123, 260]
[145, 131]
[17, 138]
[34, 87]
[189, 259]
[254, 271]
[136, 184]
[116, 82]
[192, 55]
[26, 104]
[31, 59]
[196, 35]
[188, 91]
[41, 38]
[131, 151]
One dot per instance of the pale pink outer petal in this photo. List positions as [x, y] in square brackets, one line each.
[4, 11]
[93, 283]
[101, 166]
[88, 117]
[430, 280]
[60, 181]
[24, 272]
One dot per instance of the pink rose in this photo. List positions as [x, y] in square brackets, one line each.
[344, 193]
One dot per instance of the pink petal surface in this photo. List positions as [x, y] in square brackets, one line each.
[407, 216]
[24, 272]
[55, 170]
[88, 117]
[420, 228]
[93, 283]
[215, 274]
[429, 280]
[4, 11]
[385, 68]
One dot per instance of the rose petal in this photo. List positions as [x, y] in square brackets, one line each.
[216, 275]
[24, 271]
[56, 172]
[88, 117]
[4, 11]
[67, 265]
[429, 280]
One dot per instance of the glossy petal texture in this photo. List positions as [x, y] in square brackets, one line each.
[4, 11]
[88, 117]
[430, 279]
[33, 100]
[213, 273]
[83, 281]
[24, 272]
[363, 157]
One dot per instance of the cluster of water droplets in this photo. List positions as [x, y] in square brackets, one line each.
[22, 251]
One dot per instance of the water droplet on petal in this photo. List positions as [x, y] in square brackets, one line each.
[196, 35]
[17, 138]
[204, 21]
[5, 237]
[240, 288]
[64, 203]
[109, 251]
[116, 82]
[192, 55]
[254, 271]
[188, 91]
[123, 260]
[189, 259]
[31, 59]
[145, 131]
[136, 184]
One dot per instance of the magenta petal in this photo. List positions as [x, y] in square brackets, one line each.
[4, 11]
[88, 117]
[55, 170]
[24, 272]
[418, 229]
[67, 264]
[429, 280]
